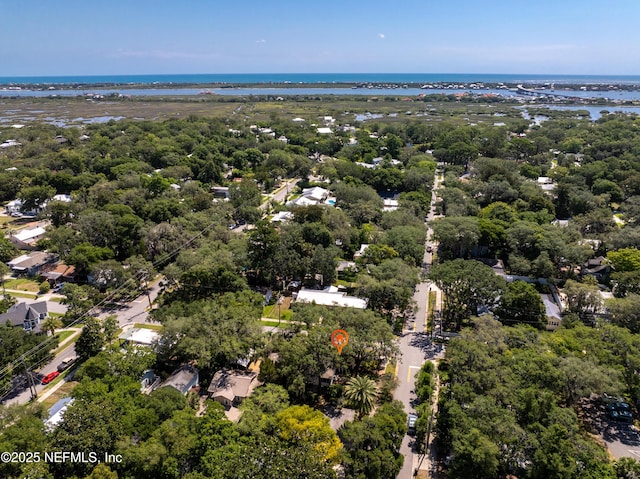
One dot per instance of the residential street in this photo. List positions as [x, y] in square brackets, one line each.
[279, 195]
[416, 347]
[135, 312]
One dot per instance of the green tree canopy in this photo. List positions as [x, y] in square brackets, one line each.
[467, 285]
[521, 303]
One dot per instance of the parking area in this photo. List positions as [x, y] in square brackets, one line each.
[621, 438]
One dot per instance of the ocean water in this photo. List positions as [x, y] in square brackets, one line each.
[310, 78]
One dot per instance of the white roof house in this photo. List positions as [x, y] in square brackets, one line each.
[9, 143]
[324, 130]
[546, 183]
[56, 413]
[330, 296]
[303, 201]
[29, 234]
[316, 193]
[390, 204]
[365, 165]
[14, 206]
[140, 336]
[360, 252]
[63, 198]
[282, 217]
[27, 238]
[298, 120]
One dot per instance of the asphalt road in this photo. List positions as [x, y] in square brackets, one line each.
[416, 347]
[134, 312]
[281, 193]
[25, 395]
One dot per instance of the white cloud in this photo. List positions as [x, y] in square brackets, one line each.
[381, 36]
[261, 41]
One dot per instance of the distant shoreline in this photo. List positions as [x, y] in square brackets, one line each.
[80, 87]
[324, 80]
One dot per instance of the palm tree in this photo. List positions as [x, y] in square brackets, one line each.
[361, 392]
[50, 324]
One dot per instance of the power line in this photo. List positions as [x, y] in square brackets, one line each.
[106, 301]
[26, 356]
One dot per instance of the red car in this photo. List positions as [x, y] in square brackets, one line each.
[50, 377]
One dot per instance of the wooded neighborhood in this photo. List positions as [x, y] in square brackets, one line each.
[243, 252]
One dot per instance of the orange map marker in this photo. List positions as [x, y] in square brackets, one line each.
[339, 339]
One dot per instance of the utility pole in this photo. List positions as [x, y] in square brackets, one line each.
[29, 375]
[146, 287]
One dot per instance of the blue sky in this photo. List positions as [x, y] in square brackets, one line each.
[69, 37]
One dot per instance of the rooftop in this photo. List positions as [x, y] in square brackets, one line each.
[182, 379]
[29, 234]
[233, 384]
[330, 296]
[140, 336]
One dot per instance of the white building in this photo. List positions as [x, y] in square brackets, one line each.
[316, 193]
[56, 413]
[390, 204]
[282, 217]
[140, 337]
[63, 198]
[330, 296]
[27, 238]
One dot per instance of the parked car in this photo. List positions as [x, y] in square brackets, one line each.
[620, 411]
[50, 377]
[609, 399]
[411, 426]
[618, 406]
[66, 363]
[623, 416]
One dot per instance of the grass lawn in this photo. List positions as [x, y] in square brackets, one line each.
[62, 392]
[390, 368]
[273, 324]
[62, 335]
[4, 220]
[56, 300]
[23, 295]
[22, 284]
[271, 311]
[431, 310]
[155, 327]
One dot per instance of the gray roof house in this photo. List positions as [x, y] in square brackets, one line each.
[32, 263]
[183, 379]
[230, 388]
[598, 267]
[29, 316]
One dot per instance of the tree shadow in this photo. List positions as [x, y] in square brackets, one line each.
[424, 342]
